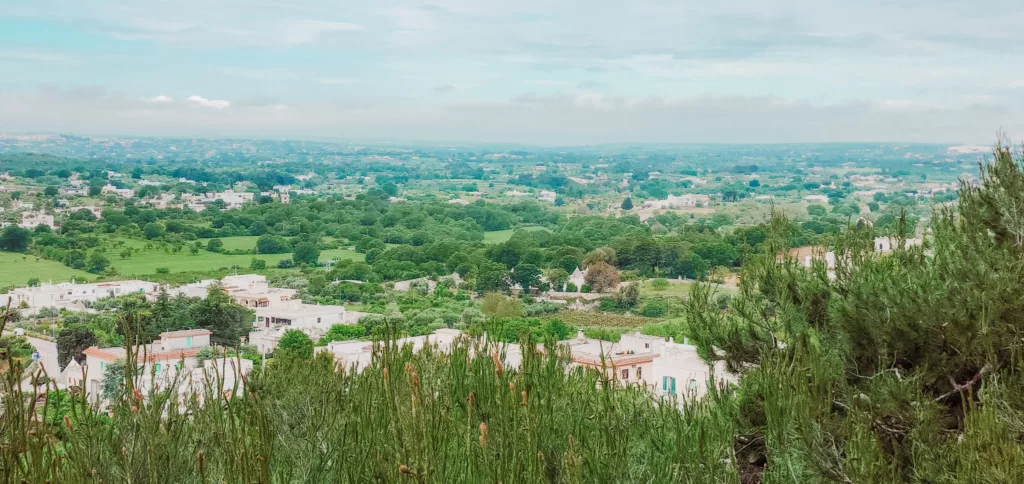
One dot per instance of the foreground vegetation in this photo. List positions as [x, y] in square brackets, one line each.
[898, 368]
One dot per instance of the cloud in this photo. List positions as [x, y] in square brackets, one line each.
[307, 31]
[161, 99]
[209, 103]
[37, 56]
[565, 119]
[335, 81]
[548, 83]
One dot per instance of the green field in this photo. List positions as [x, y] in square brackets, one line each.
[146, 261]
[17, 269]
[499, 236]
[679, 289]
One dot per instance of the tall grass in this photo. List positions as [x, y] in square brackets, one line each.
[429, 416]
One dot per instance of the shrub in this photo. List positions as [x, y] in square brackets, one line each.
[660, 284]
[285, 264]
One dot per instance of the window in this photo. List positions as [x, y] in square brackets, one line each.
[639, 373]
[101, 366]
[692, 387]
[318, 320]
[178, 365]
[157, 367]
[188, 341]
[668, 384]
[647, 345]
[625, 374]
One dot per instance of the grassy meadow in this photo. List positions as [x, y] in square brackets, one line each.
[16, 269]
[147, 261]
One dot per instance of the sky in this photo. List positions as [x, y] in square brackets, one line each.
[550, 72]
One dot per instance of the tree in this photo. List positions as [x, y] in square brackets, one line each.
[306, 253]
[627, 296]
[113, 380]
[215, 245]
[97, 262]
[294, 344]
[497, 306]
[602, 277]
[343, 332]
[816, 210]
[15, 239]
[491, 276]
[72, 340]
[527, 276]
[600, 254]
[754, 183]
[627, 204]
[257, 264]
[152, 230]
[272, 244]
[50, 191]
[219, 314]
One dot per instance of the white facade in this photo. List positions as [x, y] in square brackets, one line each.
[121, 192]
[683, 201]
[167, 361]
[70, 294]
[884, 245]
[31, 220]
[681, 373]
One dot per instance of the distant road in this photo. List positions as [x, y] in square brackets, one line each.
[47, 357]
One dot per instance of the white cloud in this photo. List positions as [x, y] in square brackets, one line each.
[299, 32]
[161, 99]
[569, 119]
[209, 103]
[549, 83]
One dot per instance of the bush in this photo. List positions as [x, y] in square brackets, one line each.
[294, 344]
[285, 264]
[655, 308]
[215, 245]
[163, 270]
[257, 264]
[660, 284]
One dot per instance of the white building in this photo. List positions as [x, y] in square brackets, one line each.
[31, 220]
[683, 201]
[630, 361]
[233, 199]
[578, 278]
[70, 295]
[884, 245]
[121, 192]
[547, 196]
[680, 372]
[816, 198]
[169, 361]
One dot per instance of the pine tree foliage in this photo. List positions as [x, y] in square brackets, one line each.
[902, 367]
